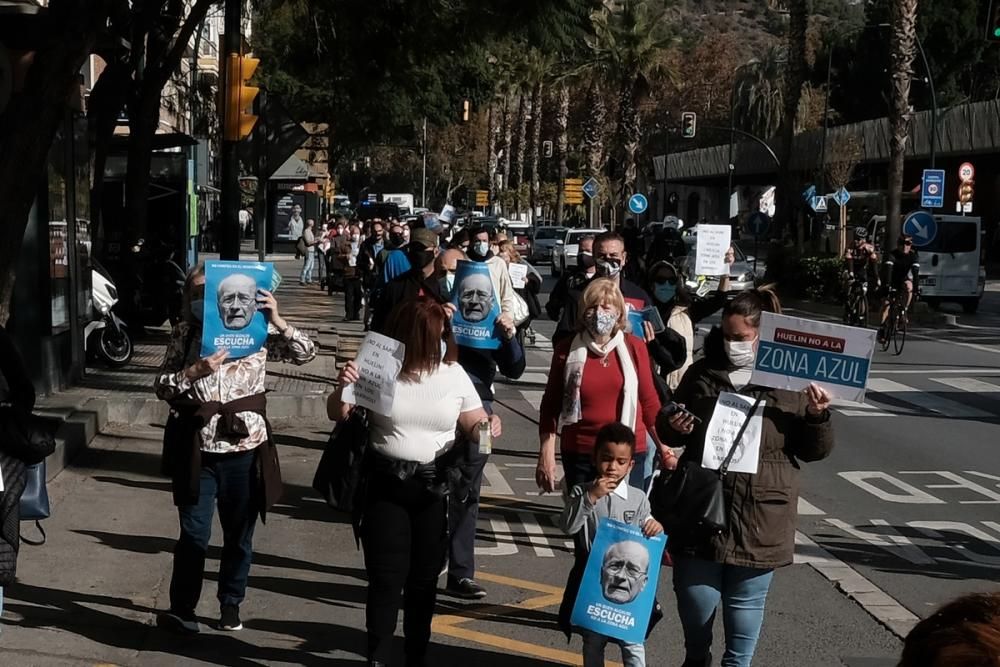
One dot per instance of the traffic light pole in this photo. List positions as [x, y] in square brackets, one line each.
[229, 227]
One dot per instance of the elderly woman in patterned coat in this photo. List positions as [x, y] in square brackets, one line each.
[218, 450]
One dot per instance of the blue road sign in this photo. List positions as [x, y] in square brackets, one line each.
[922, 226]
[818, 204]
[932, 188]
[842, 196]
[590, 188]
[637, 203]
[757, 223]
[809, 193]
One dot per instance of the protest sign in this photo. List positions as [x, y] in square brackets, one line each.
[231, 320]
[379, 361]
[474, 325]
[795, 352]
[618, 588]
[731, 411]
[518, 275]
[713, 242]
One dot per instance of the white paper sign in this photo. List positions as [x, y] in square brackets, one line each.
[379, 361]
[731, 411]
[518, 275]
[794, 352]
[713, 242]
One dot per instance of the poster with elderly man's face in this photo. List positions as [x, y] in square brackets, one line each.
[618, 589]
[478, 308]
[232, 320]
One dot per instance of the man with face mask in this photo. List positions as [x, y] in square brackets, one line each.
[481, 366]
[419, 282]
[568, 290]
[392, 261]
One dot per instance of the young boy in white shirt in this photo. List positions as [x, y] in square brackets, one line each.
[608, 495]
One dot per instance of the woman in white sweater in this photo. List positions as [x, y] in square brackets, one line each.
[404, 521]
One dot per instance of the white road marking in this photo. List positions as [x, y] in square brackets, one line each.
[535, 535]
[969, 384]
[494, 482]
[806, 508]
[872, 599]
[503, 548]
[534, 398]
[530, 378]
[939, 371]
[925, 400]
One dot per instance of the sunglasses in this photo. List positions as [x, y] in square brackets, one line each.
[907, 242]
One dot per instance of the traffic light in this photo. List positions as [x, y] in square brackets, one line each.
[689, 124]
[239, 119]
[466, 110]
[547, 149]
[966, 192]
[993, 22]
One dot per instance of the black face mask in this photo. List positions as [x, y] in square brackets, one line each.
[419, 259]
[396, 240]
[587, 261]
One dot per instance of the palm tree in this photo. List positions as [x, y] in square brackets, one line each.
[794, 79]
[537, 99]
[759, 96]
[523, 116]
[492, 139]
[562, 147]
[902, 50]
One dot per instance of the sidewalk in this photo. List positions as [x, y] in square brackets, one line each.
[125, 396]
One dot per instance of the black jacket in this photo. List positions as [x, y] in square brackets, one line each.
[17, 399]
[411, 285]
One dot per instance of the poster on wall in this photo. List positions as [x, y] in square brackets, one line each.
[231, 319]
[289, 217]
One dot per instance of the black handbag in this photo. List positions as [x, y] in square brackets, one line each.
[26, 436]
[339, 475]
[34, 504]
[692, 498]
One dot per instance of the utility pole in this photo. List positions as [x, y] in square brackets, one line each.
[229, 248]
[423, 153]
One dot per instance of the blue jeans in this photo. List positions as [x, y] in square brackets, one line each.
[579, 468]
[633, 655]
[226, 479]
[307, 266]
[700, 585]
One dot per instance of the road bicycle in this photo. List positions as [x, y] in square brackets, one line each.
[894, 330]
[856, 304]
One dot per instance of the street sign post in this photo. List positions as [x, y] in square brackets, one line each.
[818, 204]
[922, 227]
[573, 191]
[638, 203]
[932, 188]
[590, 188]
[842, 196]
[966, 172]
[757, 224]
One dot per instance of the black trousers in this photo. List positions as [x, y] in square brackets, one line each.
[405, 541]
[352, 298]
[463, 513]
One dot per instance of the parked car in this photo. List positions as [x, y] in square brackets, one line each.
[741, 274]
[519, 232]
[564, 255]
[544, 242]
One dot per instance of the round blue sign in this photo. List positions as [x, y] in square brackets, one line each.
[637, 203]
[922, 226]
[757, 223]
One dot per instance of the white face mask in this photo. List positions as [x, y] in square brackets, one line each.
[741, 353]
[481, 248]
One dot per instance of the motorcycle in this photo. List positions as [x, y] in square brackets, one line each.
[105, 336]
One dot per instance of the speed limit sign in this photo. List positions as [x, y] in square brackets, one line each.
[966, 172]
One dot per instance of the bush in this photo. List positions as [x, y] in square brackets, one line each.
[818, 279]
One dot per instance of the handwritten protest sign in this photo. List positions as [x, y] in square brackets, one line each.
[231, 319]
[731, 411]
[713, 242]
[518, 275]
[379, 361]
[794, 352]
[618, 588]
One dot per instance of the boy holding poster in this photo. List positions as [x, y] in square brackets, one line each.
[609, 496]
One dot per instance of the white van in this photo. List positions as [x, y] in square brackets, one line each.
[404, 201]
[951, 261]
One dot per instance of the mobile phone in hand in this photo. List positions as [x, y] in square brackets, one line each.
[671, 409]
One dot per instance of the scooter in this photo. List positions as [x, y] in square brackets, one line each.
[105, 336]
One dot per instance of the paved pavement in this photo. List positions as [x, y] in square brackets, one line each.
[897, 521]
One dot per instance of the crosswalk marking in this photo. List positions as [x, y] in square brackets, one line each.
[969, 384]
[926, 400]
[535, 535]
[531, 378]
[534, 398]
[494, 482]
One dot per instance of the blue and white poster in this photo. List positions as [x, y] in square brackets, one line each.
[231, 319]
[618, 589]
[478, 308]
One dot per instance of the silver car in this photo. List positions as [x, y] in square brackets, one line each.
[543, 242]
[741, 274]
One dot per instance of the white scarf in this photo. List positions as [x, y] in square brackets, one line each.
[573, 379]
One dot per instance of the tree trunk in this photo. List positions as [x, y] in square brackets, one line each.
[536, 148]
[144, 119]
[523, 116]
[492, 139]
[562, 148]
[594, 131]
[107, 99]
[31, 119]
[903, 18]
[508, 132]
[795, 73]
[630, 130]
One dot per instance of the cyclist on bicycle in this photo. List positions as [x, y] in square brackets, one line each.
[903, 268]
[862, 259]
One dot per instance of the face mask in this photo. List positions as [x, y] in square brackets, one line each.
[197, 309]
[481, 248]
[587, 260]
[609, 268]
[420, 258]
[340, 230]
[448, 283]
[601, 322]
[396, 239]
[355, 237]
[741, 352]
[664, 292]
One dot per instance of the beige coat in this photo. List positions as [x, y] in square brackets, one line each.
[680, 322]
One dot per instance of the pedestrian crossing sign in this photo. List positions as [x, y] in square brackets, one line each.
[819, 204]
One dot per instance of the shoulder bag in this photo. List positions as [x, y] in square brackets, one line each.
[339, 476]
[692, 498]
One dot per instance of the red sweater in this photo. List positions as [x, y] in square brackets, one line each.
[601, 397]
